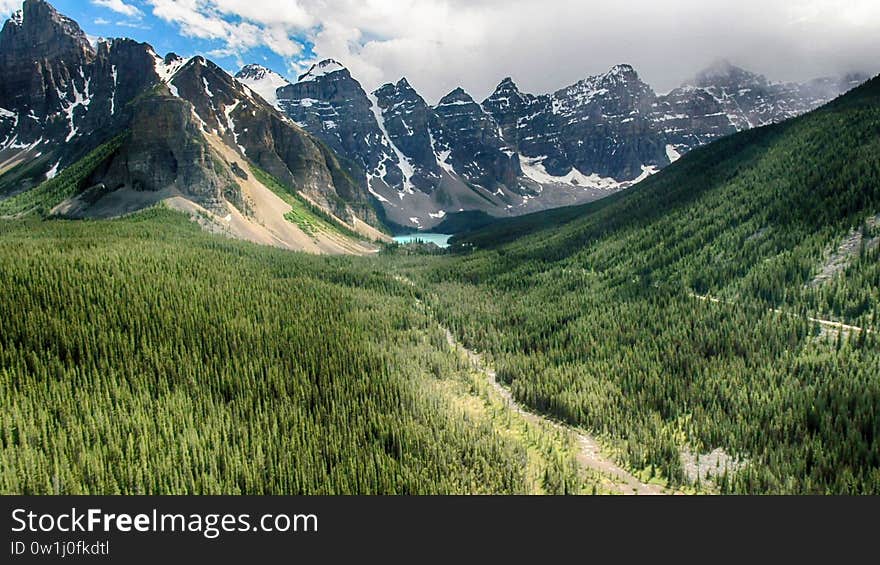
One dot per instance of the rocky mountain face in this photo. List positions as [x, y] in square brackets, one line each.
[232, 111]
[407, 122]
[165, 150]
[43, 60]
[329, 103]
[189, 128]
[750, 100]
[476, 148]
[691, 117]
[517, 152]
[600, 126]
[55, 87]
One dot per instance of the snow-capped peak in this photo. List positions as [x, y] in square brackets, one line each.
[505, 89]
[166, 68]
[325, 67]
[619, 73]
[263, 81]
[457, 97]
[253, 72]
[17, 17]
[622, 69]
[724, 73]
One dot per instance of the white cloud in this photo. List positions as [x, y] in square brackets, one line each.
[119, 7]
[134, 24]
[9, 6]
[208, 19]
[441, 44]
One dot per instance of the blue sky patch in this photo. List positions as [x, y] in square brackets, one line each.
[165, 37]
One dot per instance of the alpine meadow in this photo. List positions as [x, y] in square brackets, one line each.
[200, 291]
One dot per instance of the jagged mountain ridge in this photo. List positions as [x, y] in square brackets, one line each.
[517, 152]
[191, 132]
[387, 153]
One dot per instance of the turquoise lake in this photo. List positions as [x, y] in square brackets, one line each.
[440, 239]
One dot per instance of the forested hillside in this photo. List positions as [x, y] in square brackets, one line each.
[143, 355]
[681, 317]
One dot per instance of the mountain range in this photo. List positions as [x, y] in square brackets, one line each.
[186, 132]
[517, 152]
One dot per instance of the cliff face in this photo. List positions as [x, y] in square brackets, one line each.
[751, 100]
[408, 121]
[259, 132]
[330, 104]
[691, 117]
[44, 58]
[476, 150]
[165, 150]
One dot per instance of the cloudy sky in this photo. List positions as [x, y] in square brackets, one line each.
[543, 45]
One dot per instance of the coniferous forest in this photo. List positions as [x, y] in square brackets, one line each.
[697, 312]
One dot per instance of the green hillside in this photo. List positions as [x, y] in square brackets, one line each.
[71, 181]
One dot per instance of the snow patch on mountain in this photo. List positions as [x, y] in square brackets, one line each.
[167, 70]
[672, 153]
[443, 160]
[647, 171]
[114, 72]
[441, 156]
[321, 69]
[230, 125]
[533, 168]
[455, 103]
[263, 81]
[378, 196]
[83, 99]
[53, 172]
[404, 163]
[25, 146]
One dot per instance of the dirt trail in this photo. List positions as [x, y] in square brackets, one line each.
[827, 324]
[589, 454]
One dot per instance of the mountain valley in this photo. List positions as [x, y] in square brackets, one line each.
[646, 294]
